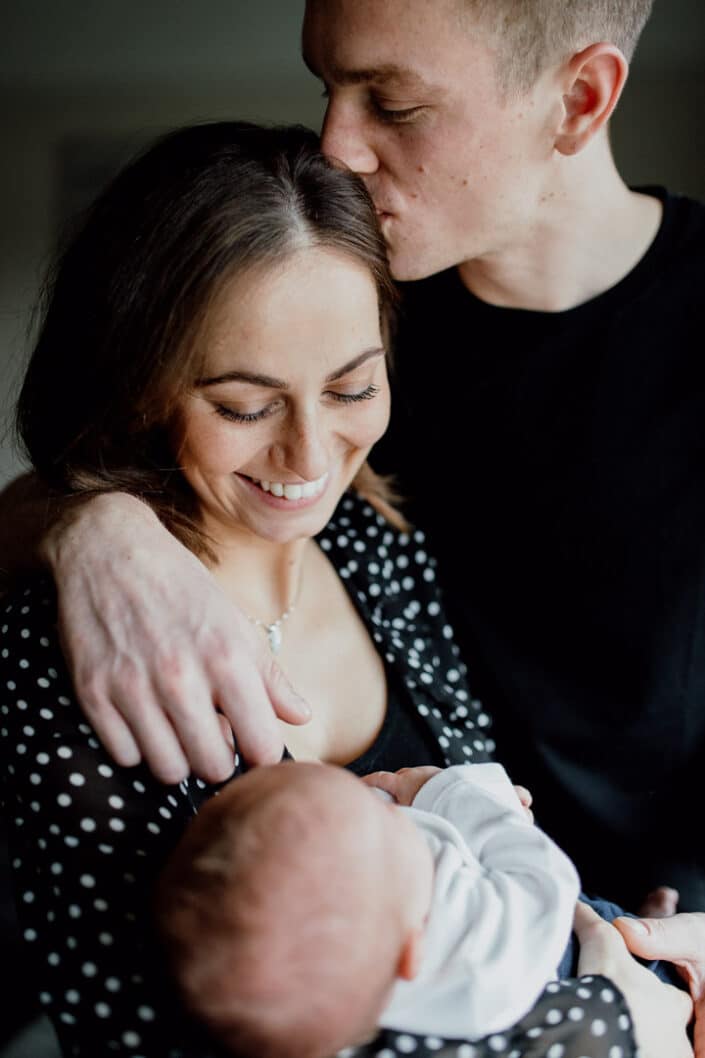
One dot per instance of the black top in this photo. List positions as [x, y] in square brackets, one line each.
[88, 838]
[557, 461]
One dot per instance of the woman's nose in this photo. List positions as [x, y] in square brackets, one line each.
[303, 450]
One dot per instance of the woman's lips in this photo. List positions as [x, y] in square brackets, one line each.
[287, 496]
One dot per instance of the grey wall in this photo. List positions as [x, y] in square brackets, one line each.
[84, 81]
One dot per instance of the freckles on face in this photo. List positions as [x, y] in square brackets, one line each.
[292, 394]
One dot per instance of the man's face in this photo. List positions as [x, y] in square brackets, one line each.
[455, 171]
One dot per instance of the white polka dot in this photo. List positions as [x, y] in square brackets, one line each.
[64, 800]
[576, 1014]
[497, 1043]
[102, 1010]
[433, 1043]
[89, 969]
[145, 1013]
[406, 1044]
[76, 779]
[598, 1027]
[607, 995]
[112, 984]
[87, 881]
[554, 1017]
[556, 1050]
[88, 825]
[616, 1052]
[64, 752]
[72, 996]
[624, 1022]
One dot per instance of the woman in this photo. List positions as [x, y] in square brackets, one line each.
[215, 343]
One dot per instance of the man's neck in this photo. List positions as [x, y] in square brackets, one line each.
[588, 232]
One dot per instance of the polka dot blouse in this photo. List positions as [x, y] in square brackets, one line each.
[87, 838]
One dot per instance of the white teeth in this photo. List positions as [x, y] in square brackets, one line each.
[304, 490]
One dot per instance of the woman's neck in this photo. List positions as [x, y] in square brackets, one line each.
[264, 578]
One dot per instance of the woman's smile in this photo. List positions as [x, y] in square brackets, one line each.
[287, 496]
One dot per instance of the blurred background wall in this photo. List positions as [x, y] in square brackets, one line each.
[83, 83]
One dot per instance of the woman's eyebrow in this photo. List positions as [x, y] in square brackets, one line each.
[356, 362]
[243, 376]
[269, 382]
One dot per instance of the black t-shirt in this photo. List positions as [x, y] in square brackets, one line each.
[557, 462]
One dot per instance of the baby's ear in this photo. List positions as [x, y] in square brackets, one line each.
[410, 957]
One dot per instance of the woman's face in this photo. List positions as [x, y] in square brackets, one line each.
[293, 394]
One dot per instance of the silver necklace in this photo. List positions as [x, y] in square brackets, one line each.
[273, 629]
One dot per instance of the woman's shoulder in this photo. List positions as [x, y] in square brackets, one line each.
[28, 613]
[359, 539]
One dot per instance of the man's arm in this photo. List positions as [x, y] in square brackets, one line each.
[26, 512]
[153, 646]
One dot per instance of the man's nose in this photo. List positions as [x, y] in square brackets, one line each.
[345, 137]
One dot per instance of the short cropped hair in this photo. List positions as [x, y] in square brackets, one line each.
[532, 34]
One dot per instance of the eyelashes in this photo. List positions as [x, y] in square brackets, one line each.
[257, 416]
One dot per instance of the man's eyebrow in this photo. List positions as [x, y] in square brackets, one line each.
[269, 382]
[385, 74]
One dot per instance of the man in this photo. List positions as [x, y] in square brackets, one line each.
[548, 434]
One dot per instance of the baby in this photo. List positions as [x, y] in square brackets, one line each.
[303, 910]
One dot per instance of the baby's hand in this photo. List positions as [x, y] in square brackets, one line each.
[403, 785]
[526, 799]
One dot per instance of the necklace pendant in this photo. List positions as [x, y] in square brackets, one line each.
[274, 636]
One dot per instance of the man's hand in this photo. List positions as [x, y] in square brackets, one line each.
[154, 647]
[679, 939]
[403, 785]
[660, 1012]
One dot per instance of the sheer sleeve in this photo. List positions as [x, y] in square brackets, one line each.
[87, 839]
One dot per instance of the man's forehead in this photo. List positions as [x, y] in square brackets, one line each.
[384, 73]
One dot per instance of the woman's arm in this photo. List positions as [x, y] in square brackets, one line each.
[151, 642]
[86, 841]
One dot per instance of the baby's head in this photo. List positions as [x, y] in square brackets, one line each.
[290, 907]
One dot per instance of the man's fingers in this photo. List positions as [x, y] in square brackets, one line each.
[660, 903]
[287, 703]
[155, 735]
[113, 732]
[679, 939]
[245, 702]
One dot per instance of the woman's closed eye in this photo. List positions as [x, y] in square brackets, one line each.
[258, 415]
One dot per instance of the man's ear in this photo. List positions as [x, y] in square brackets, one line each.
[410, 958]
[593, 82]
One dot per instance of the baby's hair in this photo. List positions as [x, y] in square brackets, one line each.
[274, 916]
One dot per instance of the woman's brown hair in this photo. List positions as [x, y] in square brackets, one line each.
[127, 301]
